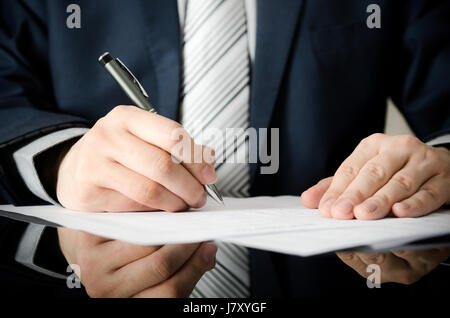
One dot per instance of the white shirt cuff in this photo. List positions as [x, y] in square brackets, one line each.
[444, 139]
[24, 158]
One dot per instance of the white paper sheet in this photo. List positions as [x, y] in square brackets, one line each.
[279, 224]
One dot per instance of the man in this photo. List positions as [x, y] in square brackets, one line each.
[316, 70]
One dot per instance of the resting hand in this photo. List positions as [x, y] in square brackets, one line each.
[385, 173]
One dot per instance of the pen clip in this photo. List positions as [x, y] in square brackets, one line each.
[132, 77]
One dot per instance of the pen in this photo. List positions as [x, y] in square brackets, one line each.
[139, 97]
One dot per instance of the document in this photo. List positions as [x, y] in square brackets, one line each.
[280, 224]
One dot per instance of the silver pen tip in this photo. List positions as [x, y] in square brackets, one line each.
[212, 191]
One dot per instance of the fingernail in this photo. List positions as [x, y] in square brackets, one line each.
[370, 206]
[345, 206]
[403, 205]
[202, 200]
[209, 252]
[208, 174]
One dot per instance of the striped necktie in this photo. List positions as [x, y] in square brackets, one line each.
[215, 94]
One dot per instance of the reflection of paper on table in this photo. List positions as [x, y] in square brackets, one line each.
[279, 224]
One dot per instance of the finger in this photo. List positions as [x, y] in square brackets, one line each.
[311, 197]
[393, 268]
[348, 170]
[386, 260]
[138, 188]
[352, 259]
[157, 165]
[153, 269]
[107, 200]
[169, 136]
[72, 242]
[424, 261]
[430, 197]
[119, 254]
[184, 281]
[372, 176]
[403, 184]
[138, 122]
[202, 164]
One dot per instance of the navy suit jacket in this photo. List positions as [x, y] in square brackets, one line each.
[320, 75]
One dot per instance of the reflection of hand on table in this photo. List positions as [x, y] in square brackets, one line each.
[404, 267]
[111, 268]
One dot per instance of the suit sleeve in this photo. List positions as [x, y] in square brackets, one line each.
[27, 106]
[420, 86]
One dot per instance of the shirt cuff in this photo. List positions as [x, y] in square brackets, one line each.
[441, 140]
[24, 158]
[27, 249]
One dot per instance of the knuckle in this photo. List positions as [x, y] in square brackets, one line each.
[118, 111]
[162, 268]
[163, 164]
[348, 171]
[100, 124]
[92, 138]
[377, 136]
[418, 202]
[359, 195]
[331, 194]
[376, 258]
[383, 199]
[119, 114]
[432, 194]
[432, 156]
[408, 140]
[355, 194]
[373, 139]
[405, 182]
[375, 171]
[348, 256]
[151, 193]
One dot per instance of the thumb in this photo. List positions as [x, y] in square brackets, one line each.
[311, 197]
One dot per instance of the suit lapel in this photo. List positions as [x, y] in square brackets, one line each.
[162, 35]
[277, 21]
